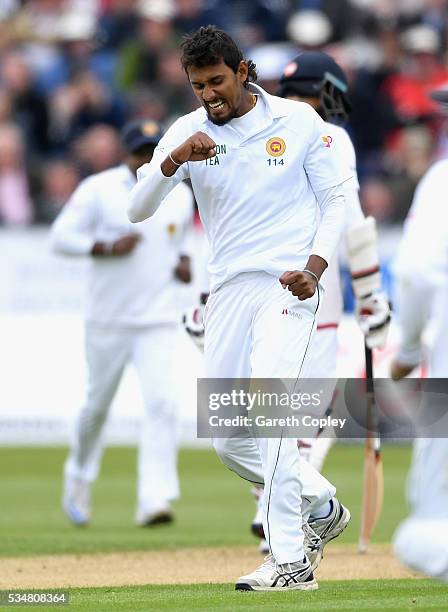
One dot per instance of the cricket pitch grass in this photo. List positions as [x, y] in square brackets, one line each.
[191, 565]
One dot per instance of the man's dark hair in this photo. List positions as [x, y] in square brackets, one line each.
[208, 46]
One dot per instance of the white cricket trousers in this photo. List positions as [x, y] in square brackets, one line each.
[151, 351]
[256, 329]
[321, 364]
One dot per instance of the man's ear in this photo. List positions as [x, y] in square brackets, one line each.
[242, 71]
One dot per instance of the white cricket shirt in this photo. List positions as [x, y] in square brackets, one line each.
[421, 269]
[424, 245]
[257, 197]
[332, 306]
[135, 289]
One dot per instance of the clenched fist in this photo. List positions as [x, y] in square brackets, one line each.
[301, 284]
[196, 148]
[122, 246]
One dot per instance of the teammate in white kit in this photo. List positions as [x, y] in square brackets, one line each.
[269, 190]
[421, 541]
[314, 77]
[131, 318]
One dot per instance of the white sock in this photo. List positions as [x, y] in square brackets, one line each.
[323, 511]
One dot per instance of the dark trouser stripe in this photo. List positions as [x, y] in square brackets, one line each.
[268, 535]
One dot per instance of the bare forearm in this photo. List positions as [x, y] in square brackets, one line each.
[168, 167]
[316, 264]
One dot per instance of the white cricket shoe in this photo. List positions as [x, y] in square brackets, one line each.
[312, 542]
[76, 501]
[313, 545]
[144, 518]
[271, 576]
[326, 529]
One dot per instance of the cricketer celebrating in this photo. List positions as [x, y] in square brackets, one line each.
[131, 317]
[268, 184]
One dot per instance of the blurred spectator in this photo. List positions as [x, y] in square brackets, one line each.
[192, 14]
[394, 13]
[59, 180]
[139, 58]
[77, 49]
[6, 36]
[70, 68]
[35, 27]
[421, 71]
[374, 117]
[338, 17]
[270, 60]
[38, 19]
[406, 165]
[8, 8]
[81, 104]
[146, 102]
[388, 195]
[98, 149]
[118, 24]
[258, 21]
[177, 96]
[309, 29]
[29, 109]
[5, 106]
[435, 14]
[15, 203]
[377, 199]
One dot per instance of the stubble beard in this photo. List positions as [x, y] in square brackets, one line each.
[224, 120]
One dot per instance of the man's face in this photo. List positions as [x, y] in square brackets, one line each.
[219, 90]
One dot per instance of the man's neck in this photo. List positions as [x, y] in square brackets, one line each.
[249, 101]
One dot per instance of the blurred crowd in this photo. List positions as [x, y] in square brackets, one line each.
[72, 72]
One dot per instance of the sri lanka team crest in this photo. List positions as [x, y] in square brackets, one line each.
[276, 146]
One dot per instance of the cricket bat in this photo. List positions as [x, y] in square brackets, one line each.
[373, 485]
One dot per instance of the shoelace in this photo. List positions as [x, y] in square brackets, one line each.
[291, 568]
[314, 541]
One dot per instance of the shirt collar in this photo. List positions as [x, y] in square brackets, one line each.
[275, 104]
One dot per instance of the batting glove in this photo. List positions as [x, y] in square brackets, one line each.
[193, 322]
[373, 316]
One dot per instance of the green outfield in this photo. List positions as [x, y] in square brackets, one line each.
[215, 511]
[397, 595]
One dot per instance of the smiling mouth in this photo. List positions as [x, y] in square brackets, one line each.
[218, 105]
